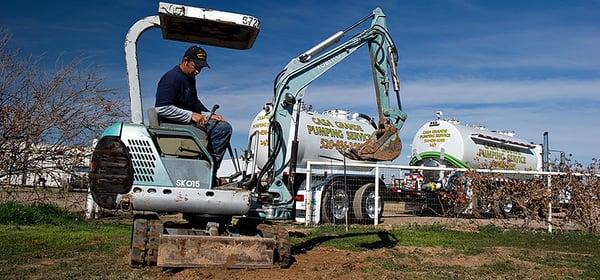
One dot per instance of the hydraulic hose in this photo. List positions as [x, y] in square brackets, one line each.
[274, 127]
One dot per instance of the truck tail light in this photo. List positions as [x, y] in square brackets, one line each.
[93, 166]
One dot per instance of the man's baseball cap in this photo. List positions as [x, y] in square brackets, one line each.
[197, 55]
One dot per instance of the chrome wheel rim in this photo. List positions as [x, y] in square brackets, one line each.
[370, 205]
[507, 206]
[339, 204]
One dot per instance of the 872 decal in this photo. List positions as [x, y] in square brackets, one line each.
[251, 21]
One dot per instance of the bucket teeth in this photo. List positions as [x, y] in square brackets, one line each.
[383, 145]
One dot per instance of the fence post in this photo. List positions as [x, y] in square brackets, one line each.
[376, 195]
[89, 205]
[550, 204]
[346, 190]
[308, 197]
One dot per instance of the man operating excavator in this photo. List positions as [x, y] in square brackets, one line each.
[177, 102]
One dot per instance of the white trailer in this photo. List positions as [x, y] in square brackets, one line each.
[449, 143]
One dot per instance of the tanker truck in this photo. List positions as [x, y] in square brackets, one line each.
[322, 136]
[449, 143]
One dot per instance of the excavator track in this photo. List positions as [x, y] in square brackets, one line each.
[145, 239]
[139, 238]
[283, 251]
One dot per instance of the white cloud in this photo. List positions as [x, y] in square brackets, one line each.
[565, 108]
[501, 47]
[491, 92]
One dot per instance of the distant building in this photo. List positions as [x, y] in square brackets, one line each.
[50, 171]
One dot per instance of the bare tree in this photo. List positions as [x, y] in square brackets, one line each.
[575, 193]
[583, 194]
[48, 116]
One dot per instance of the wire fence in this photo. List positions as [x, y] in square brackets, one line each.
[337, 193]
[370, 194]
[73, 201]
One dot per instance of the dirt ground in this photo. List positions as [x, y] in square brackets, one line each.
[395, 263]
[319, 263]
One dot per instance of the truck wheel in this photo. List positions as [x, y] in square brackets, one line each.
[139, 239]
[507, 208]
[364, 204]
[335, 204]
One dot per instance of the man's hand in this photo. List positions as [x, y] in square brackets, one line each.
[217, 117]
[199, 119]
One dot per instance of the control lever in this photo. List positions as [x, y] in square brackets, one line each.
[212, 111]
[204, 126]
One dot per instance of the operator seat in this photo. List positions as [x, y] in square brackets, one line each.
[178, 140]
[154, 124]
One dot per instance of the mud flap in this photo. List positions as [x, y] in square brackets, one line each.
[383, 145]
[225, 251]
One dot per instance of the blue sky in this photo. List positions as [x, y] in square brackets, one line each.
[527, 66]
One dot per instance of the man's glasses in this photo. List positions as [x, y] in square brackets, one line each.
[195, 66]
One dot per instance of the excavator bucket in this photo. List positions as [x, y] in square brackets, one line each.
[222, 251]
[264, 246]
[383, 145]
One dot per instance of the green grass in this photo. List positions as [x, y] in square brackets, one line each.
[19, 214]
[578, 251]
[61, 251]
[363, 238]
[45, 242]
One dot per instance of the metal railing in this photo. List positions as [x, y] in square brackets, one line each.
[338, 193]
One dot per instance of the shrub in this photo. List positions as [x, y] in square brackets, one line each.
[18, 214]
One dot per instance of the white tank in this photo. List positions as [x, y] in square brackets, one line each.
[450, 143]
[319, 135]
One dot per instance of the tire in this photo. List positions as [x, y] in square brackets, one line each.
[335, 204]
[488, 209]
[363, 204]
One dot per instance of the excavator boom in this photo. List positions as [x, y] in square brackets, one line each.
[383, 145]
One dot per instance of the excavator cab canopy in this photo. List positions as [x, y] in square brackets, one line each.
[208, 27]
[187, 24]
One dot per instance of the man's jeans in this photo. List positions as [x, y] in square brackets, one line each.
[219, 134]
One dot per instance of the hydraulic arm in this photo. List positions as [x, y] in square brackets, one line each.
[289, 90]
